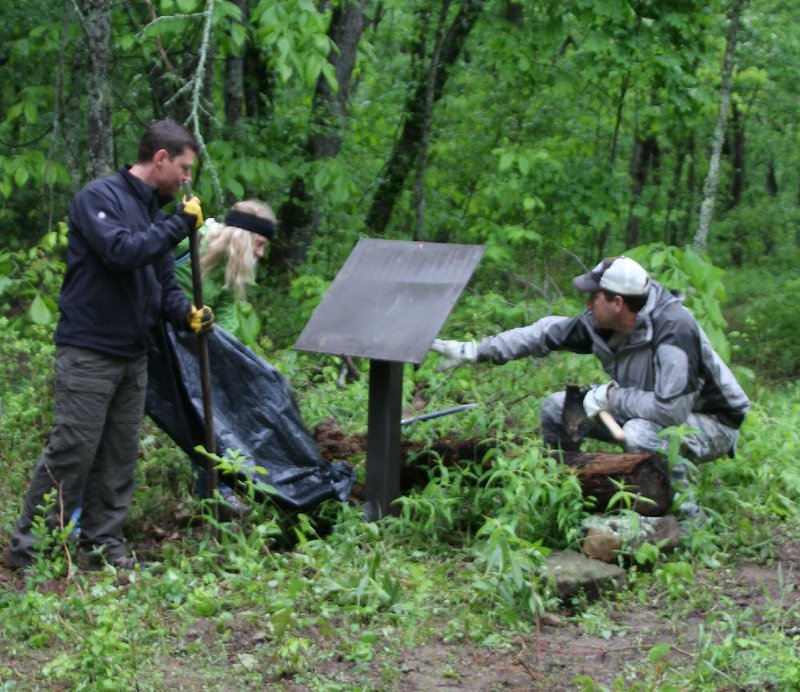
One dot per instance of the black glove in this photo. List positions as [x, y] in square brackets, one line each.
[200, 320]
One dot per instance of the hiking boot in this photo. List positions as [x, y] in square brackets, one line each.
[16, 562]
[94, 561]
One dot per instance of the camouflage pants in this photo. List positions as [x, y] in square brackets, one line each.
[91, 452]
[710, 440]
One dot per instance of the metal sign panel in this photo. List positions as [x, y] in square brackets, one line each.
[390, 299]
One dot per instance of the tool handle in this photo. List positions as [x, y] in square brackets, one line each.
[202, 356]
[437, 414]
[612, 425]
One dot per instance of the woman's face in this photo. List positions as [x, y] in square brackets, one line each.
[260, 244]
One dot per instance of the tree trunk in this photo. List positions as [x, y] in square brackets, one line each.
[737, 186]
[330, 107]
[712, 179]
[513, 12]
[72, 131]
[772, 191]
[602, 237]
[670, 227]
[427, 118]
[623, 90]
[259, 81]
[737, 157]
[406, 148]
[772, 179]
[298, 216]
[691, 189]
[58, 97]
[234, 84]
[645, 155]
[100, 139]
[643, 474]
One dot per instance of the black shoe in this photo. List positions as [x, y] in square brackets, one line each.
[94, 561]
[15, 562]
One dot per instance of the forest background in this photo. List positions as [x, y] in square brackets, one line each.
[553, 134]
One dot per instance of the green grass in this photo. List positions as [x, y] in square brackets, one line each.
[328, 601]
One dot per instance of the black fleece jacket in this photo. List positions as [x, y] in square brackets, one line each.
[120, 271]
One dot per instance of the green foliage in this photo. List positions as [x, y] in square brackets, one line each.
[462, 561]
[530, 153]
[624, 497]
[508, 568]
[767, 333]
[533, 495]
[52, 560]
[294, 33]
[765, 490]
[442, 505]
[514, 503]
[695, 277]
[25, 377]
[29, 168]
[306, 292]
[29, 281]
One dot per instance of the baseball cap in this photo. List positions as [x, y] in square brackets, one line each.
[620, 275]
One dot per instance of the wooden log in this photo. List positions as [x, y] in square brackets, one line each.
[643, 473]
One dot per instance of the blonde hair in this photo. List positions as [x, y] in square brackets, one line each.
[235, 244]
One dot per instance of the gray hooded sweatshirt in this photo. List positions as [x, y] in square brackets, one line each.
[663, 370]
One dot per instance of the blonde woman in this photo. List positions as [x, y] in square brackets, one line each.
[229, 257]
[228, 261]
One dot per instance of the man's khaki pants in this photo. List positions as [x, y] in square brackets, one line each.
[91, 453]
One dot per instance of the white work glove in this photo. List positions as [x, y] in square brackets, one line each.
[596, 399]
[455, 352]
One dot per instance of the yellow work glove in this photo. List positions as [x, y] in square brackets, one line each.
[191, 206]
[200, 320]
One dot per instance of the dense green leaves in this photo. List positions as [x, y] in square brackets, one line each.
[294, 34]
[532, 146]
[533, 150]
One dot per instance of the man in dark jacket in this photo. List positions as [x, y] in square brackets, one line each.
[118, 283]
[662, 367]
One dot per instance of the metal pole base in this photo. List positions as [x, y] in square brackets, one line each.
[383, 438]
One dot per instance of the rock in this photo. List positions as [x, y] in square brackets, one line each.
[630, 531]
[602, 546]
[572, 573]
[551, 620]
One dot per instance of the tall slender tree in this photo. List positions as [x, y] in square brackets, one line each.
[100, 140]
[712, 179]
[234, 82]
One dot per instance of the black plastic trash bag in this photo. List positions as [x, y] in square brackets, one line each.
[254, 412]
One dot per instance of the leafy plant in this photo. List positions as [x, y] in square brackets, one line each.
[29, 281]
[696, 278]
[508, 568]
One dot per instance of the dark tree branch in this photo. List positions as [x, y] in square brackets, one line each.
[299, 217]
[407, 146]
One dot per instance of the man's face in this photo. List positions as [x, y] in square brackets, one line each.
[604, 311]
[171, 172]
